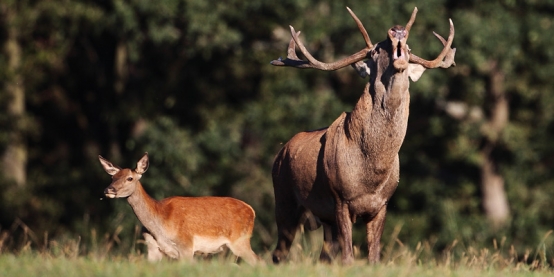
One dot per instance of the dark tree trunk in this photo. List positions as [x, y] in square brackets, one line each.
[14, 158]
[120, 67]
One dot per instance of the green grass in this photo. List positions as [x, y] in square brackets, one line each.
[40, 265]
[68, 257]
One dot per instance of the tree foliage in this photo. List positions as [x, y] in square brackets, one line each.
[189, 81]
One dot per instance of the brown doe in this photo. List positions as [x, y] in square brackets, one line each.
[350, 169]
[177, 227]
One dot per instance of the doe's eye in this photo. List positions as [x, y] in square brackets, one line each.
[129, 179]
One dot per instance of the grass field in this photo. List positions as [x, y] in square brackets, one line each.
[68, 258]
[40, 265]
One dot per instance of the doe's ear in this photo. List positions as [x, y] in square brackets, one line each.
[142, 164]
[415, 71]
[108, 166]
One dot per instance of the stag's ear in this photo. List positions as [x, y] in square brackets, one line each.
[142, 164]
[415, 71]
[362, 67]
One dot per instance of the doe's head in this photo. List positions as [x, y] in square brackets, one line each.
[124, 181]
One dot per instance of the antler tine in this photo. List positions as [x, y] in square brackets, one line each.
[449, 59]
[410, 23]
[440, 38]
[294, 61]
[291, 51]
[412, 20]
[446, 52]
[361, 27]
[317, 64]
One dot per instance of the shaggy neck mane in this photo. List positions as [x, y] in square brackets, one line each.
[379, 120]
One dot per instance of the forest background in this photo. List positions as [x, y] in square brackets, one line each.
[189, 82]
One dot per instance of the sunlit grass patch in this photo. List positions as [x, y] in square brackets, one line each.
[100, 257]
[39, 265]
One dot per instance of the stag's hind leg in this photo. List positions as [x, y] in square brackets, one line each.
[293, 168]
[286, 231]
[287, 217]
[331, 245]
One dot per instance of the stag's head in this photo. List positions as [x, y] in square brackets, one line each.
[391, 55]
[398, 47]
[124, 181]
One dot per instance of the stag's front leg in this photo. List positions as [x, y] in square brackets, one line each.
[344, 225]
[374, 231]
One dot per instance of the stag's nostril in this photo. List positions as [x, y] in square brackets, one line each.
[400, 35]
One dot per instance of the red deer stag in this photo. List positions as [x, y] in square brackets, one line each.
[180, 226]
[351, 168]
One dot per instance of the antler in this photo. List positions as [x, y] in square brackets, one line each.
[410, 23]
[445, 58]
[294, 61]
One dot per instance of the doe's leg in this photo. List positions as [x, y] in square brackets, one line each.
[154, 253]
[241, 248]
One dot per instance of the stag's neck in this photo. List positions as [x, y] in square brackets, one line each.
[147, 210]
[397, 97]
[379, 120]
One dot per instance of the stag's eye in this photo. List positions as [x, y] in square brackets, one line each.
[130, 179]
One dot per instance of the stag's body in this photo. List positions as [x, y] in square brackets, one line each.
[178, 227]
[351, 169]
